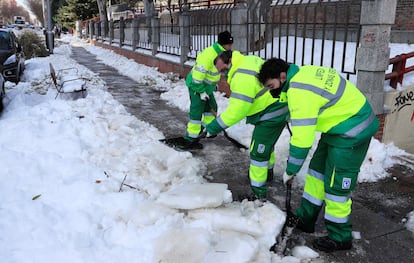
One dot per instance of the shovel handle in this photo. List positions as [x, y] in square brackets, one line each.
[288, 196]
[234, 141]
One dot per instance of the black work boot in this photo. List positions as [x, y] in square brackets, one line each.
[202, 134]
[248, 196]
[328, 245]
[184, 144]
[191, 145]
[256, 193]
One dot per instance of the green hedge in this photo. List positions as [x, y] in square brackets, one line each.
[32, 45]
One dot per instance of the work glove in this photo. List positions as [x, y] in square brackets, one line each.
[213, 128]
[287, 178]
[210, 136]
[206, 134]
[204, 96]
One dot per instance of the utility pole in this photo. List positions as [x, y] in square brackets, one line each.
[48, 23]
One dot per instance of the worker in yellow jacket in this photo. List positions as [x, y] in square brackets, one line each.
[201, 83]
[250, 100]
[321, 100]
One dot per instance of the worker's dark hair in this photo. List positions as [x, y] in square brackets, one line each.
[225, 56]
[271, 69]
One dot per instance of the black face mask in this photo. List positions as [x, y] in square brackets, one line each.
[276, 92]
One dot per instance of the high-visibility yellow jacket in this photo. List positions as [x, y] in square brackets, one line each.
[321, 100]
[248, 96]
[204, 76]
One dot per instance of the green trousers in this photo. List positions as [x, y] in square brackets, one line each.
[262, 158]
[332, 175]
[200, 114]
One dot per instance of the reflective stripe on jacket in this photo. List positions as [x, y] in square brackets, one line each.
[248, 96]
[319, 99]
[204, 75]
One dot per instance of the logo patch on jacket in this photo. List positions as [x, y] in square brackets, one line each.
[346, 183]
[261, 148]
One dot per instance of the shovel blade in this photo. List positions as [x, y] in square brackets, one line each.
[281, 244]
[281, 241]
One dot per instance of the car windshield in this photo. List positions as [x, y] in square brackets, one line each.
[4, 40]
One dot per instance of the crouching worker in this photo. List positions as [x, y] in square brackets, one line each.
[321, 100]
[250, 100]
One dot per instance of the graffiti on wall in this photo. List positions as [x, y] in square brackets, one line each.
[399, 122]
[404, 99]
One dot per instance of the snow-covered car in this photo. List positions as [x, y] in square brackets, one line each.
[11, 56]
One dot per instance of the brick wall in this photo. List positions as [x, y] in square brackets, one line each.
[163, 66]
[404, 19]
[327, 12]
[379, 134]
[318, 14]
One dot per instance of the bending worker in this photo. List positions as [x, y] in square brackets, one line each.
[321, 100]
[250, 100]
[201, 83]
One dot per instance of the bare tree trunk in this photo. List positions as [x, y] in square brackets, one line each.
[149, 9]
[171, 16]
[103, 15]
[258, 11]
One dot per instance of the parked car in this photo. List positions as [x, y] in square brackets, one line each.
[2, 91]
[11, 56]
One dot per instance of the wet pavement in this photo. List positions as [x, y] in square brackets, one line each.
[379, 209]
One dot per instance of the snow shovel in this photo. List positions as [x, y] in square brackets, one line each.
[179, 143]
[291, 221]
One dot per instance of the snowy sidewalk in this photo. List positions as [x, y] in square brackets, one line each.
[383, 238]
[225, 163]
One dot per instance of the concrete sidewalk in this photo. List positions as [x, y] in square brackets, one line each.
[379, 208]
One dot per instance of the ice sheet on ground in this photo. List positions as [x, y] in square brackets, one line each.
[218, 234]
[193, 196]
[304, 252]
[229, 244]
[263, 222]
[182, 245]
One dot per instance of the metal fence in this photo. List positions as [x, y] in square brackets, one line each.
[170, 34]
[144, 32]
[303, 32]
[308, 32]
[323, 32]
[206, 24]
